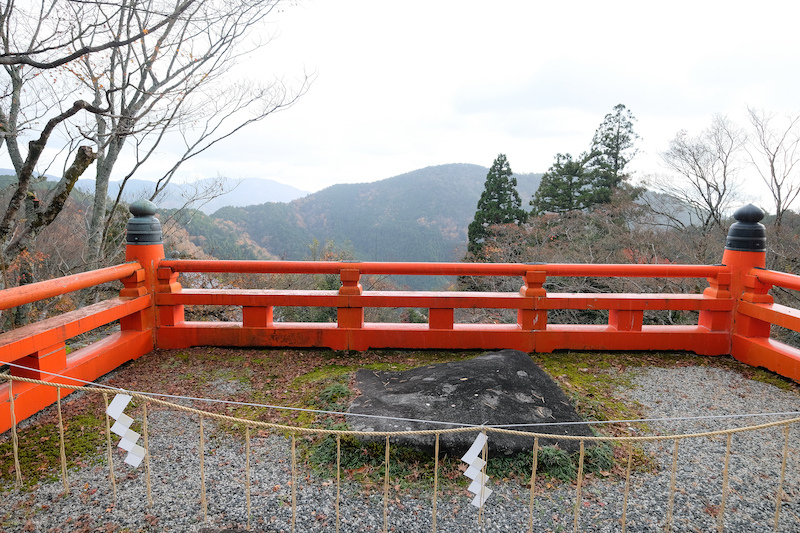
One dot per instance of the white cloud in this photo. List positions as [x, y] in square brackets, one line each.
[405, 85]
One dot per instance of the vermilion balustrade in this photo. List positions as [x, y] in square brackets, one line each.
[624, 330]
[735, 312]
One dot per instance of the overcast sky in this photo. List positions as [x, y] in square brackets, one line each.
[405, 85]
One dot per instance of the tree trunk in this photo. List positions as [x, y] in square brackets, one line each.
[97, 222]
[37, 218]
[13, 117]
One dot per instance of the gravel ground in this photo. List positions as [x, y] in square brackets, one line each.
[754, 472]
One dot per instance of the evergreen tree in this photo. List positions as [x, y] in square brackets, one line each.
[612, 150]
[566, 186]
[499, 204]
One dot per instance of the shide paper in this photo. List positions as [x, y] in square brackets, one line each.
[122, 428]
[475, 471]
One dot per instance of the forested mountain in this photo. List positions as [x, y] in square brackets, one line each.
[194, 235]
[419, 216]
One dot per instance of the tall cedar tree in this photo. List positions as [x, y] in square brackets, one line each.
[565, 187]
[499, 204]
[578, 184]
[612, 150]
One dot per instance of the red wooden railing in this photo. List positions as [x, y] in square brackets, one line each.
[39, 350]
[531, 332]
[735, 313]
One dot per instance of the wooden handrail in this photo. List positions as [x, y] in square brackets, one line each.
[433, 299]
[444, 269]
[781, 279]
[34, 292]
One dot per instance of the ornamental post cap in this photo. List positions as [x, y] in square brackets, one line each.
[747, 234]
[142, 208]
[143, 227]
[748, 213]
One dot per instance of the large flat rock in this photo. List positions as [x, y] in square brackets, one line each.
[497, 388]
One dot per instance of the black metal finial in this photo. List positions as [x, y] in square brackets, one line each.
[143, 227]
[747, 234]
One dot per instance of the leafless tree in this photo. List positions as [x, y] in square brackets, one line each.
[137, 72]
[174, 82]
[28, 100]
[706, 183]
[775, 152]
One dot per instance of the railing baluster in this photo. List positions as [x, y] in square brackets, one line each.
[169, 315]
[535, 317]
[441, 318]
[257, 316]
[350, 317]
[625, 320]
[718, 288]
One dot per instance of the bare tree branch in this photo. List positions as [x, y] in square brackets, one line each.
[40, 216]
[775, 153]
[35, 148]
[707, 168]
[150, 69]
[25, 57]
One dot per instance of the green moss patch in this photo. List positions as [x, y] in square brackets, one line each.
[412, 469]
[39, 448]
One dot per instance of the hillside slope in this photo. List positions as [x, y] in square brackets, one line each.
[419, 216]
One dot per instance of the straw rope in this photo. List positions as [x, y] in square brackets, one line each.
[578, 489]
[627, 488]
[386, 490]
[14, 437]
[721, 515]
[61, 446]
[247, 473]
[533, 482]
[671, 505]
[338, 476]
[465, 429]
[147, 482]
[783, 476]
[294, 481]
[201, 453]
[109, 450]
[435, 478]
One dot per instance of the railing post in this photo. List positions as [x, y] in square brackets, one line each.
[533, 287]
[625, 320]
[441, 318]
[718, 288]
[257, 317]
[350, 317]
[168, 315]
[42, 363]
[144, 245]
[745, 249]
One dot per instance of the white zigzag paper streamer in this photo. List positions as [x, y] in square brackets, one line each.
[122, 427]
[475, 471]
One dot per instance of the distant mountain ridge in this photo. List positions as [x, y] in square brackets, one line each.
[418, 216]
[236, 192]
[248, 191]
